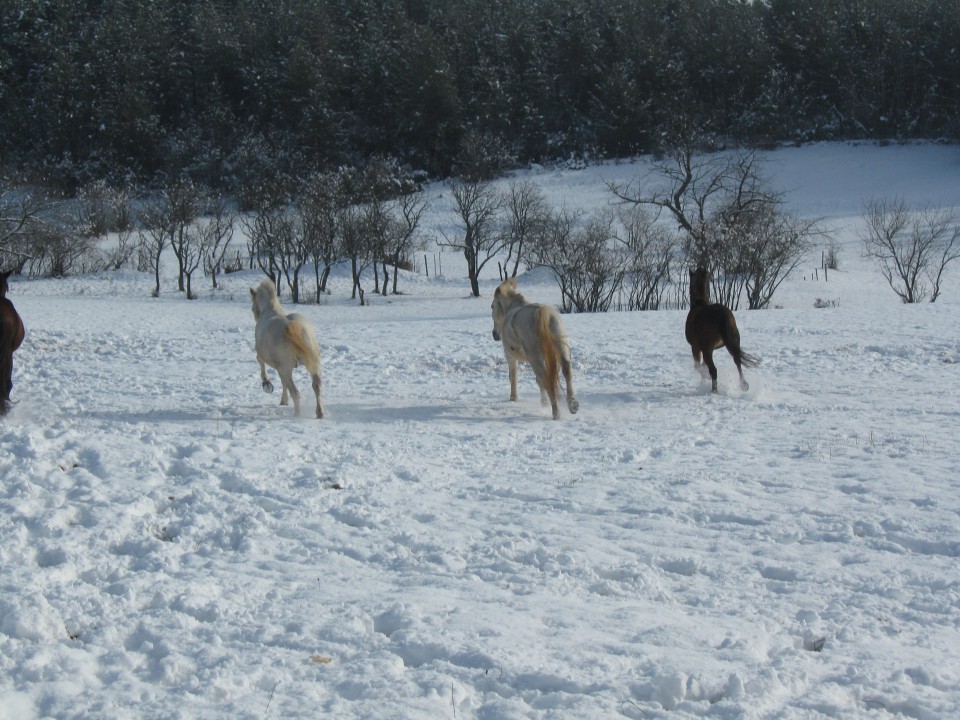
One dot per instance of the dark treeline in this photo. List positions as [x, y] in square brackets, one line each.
[221, 90]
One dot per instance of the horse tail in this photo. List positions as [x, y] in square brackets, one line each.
[548, 346]
[304, 344]
[748, 359]
[731, 339]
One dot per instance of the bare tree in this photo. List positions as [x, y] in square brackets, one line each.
[377, 221]
[649, 257]
[402, 237]
[295, 250]
[57, 249]
[584, 259]
[103, 210]
[527, 218]
[477, 205]
[733, 222]
[265, 228]
[216, 231]
[757, 248]
[156, 233]
[912, 247]
[182, 200]
[194, 251]
[318, 201]
[354, 241]
[21, 215]
[690, 187]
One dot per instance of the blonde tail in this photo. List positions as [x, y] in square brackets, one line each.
[551, 358]
[302, 340]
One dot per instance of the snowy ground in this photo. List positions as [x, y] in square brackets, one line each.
[174, 544]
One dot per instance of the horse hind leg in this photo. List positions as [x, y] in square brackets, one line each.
[697, 359]
[311, 361]
[289, 388]
[512, 370]
[572, 403]
[6, 380]
[318, 392]
[548, 390]
[712, 368]
[554, 406]
[730, 337]
[738, 361]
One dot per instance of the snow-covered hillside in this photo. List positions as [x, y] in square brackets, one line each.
[174, 544]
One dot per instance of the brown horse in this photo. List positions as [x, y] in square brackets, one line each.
[711, 326]
[11, 336]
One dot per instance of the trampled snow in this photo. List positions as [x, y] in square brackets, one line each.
[175, 544]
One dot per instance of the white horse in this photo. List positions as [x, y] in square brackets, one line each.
[283, 342]
[533, 333]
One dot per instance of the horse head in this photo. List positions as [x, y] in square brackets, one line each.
[263, 296]
[502, 297]
[256, 305]
[699, 286]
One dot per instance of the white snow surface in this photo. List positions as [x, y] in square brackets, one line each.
[175, 544]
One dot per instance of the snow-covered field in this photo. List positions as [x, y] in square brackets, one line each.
[174, 544]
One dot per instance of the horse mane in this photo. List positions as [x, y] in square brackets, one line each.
[266, 295]
[267, 288]
[508, 290]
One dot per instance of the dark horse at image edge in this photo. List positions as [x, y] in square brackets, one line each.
[711, 326]
[11, 336]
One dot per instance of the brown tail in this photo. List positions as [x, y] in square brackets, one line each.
[551, 358]
[727, 328]
[307, 352]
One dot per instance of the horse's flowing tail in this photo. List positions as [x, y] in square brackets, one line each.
[548, 345]
[730, 336]
[308, 352]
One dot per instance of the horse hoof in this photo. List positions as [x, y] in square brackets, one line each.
[267, 387]
[744, 385]
[574, 406]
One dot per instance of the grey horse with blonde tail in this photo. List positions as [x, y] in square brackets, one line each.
[533, 333]
[284, 341]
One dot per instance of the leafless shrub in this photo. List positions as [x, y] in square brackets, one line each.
[585, 260]
[649, 257]
[733, 223]
[912, 247]
[477, 205]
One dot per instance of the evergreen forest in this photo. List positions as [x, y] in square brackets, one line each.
[225, 91]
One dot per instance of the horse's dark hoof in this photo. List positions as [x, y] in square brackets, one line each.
[268, 387]
[574, 405]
